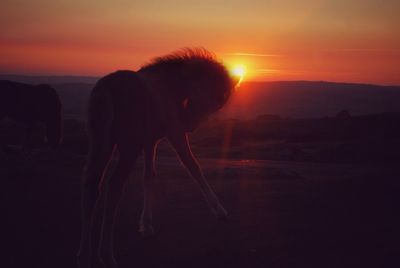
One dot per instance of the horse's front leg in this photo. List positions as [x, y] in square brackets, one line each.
[179, 142]
[146, 220]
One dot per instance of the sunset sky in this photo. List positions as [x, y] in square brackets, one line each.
[334, 40]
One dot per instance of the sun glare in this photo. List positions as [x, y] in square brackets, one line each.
[239, 71]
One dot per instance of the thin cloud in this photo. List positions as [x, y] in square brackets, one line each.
[360, 50]
[255, 54]
[266, 71]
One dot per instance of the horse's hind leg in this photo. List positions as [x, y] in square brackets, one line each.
[146, 221]
[101, 147]
[113, 191]
[94, 172]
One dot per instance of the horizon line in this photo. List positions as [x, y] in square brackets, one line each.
[254, 54]
[245, 81]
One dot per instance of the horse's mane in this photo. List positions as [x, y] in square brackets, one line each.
[182, 56]
[197, 73]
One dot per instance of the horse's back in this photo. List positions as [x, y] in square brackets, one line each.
[10, 92]
[17, 100]
[120, 101]
[25, 102]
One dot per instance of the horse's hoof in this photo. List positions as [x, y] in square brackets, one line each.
[221, 214]
[108, 262]
[223, 218]
[146, 231]
[83, 261]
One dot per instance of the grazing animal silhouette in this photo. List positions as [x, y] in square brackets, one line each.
[31, 104]
[130, 112]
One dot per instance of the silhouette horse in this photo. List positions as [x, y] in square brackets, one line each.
[30, 104]
[130, 112]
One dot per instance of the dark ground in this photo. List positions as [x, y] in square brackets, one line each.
[282, 214]
[335, 204]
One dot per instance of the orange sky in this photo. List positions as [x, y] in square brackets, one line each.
[335, 40]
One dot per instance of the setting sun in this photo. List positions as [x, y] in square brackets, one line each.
[239, 70]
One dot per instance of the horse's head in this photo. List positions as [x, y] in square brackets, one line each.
[202, 85]
[209, 87]
[52, 114]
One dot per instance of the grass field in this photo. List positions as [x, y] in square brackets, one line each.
[282, 214]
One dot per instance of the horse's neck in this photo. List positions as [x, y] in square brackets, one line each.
[161, 106]
[163, 86]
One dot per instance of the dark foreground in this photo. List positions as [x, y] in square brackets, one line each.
[282, 214]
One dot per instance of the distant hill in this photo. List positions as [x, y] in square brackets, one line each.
[49, 79]
[373, 138]
[295, 99]
[74, 97]
[299, 99]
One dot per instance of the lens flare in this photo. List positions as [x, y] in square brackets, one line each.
[239, 71]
